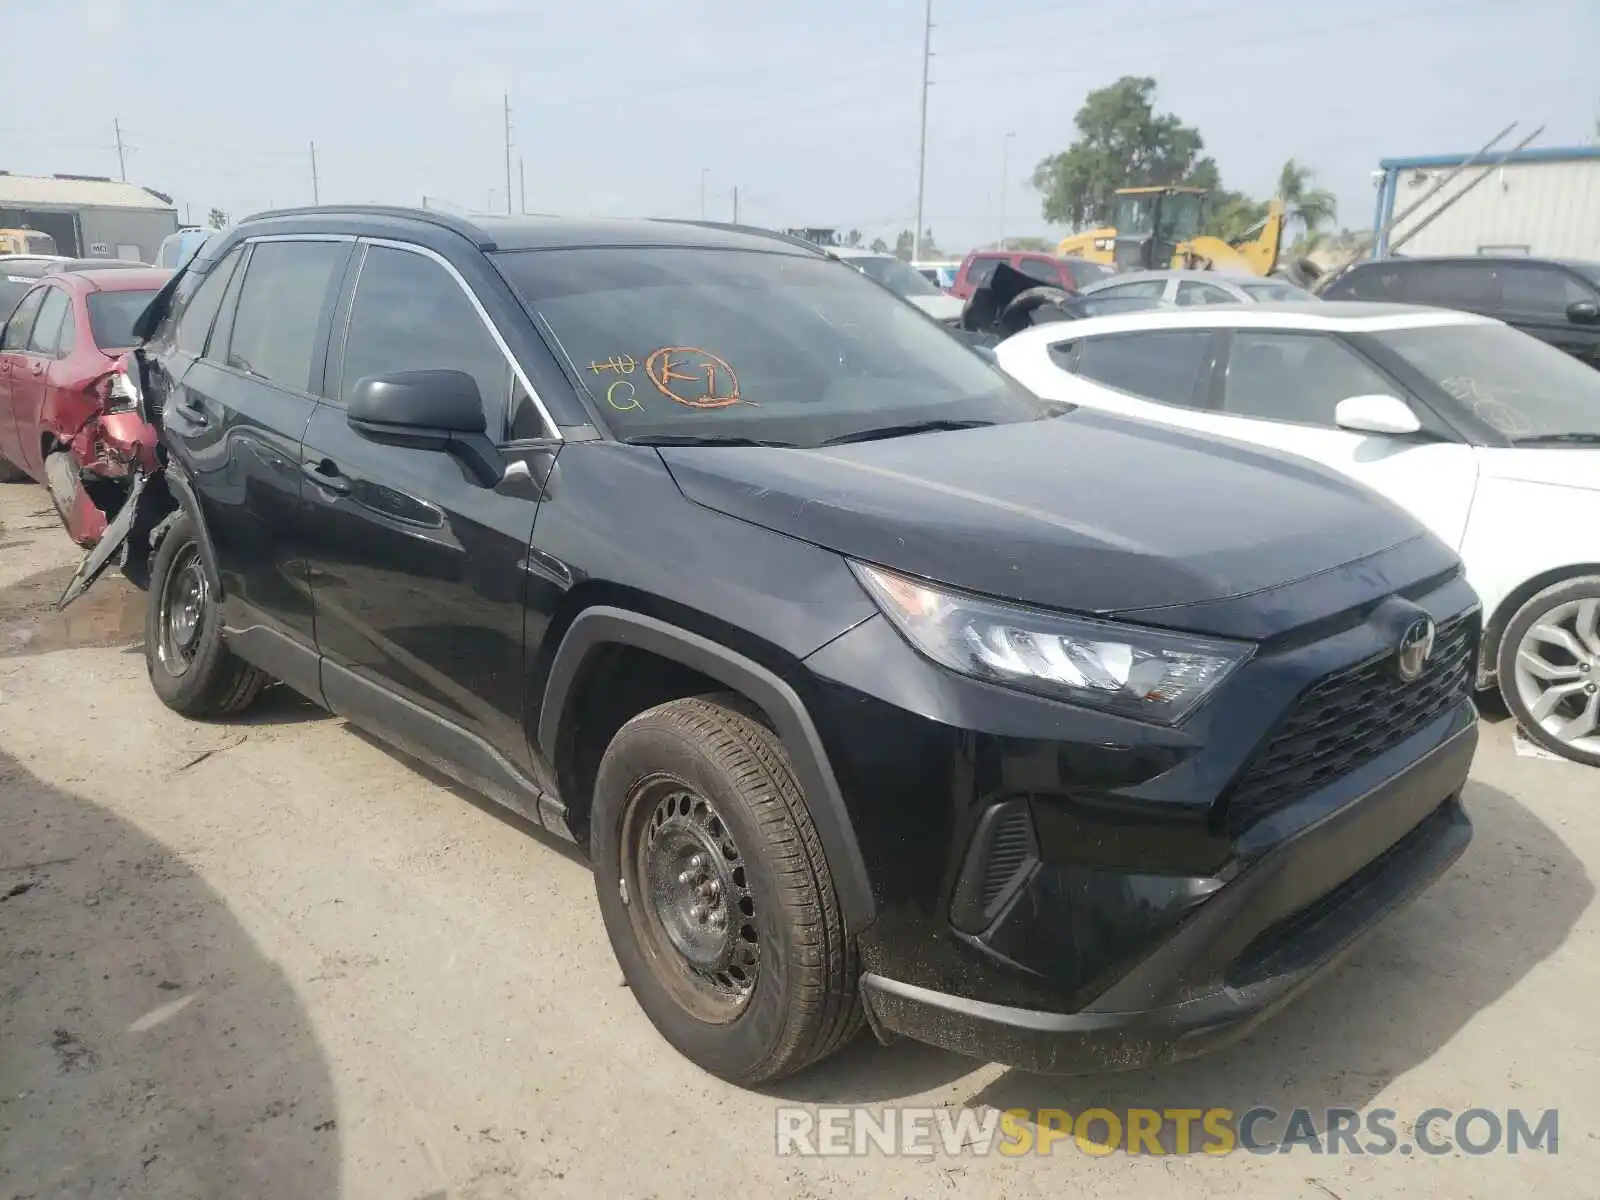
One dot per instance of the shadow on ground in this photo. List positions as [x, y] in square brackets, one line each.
[147, 1048]
[1404, 995]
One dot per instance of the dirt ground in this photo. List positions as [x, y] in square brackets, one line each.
[271, 958]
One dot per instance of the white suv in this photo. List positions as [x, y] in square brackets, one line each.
[1490, 437]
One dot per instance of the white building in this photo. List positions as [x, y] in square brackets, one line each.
[1544, 203]
[89, 216]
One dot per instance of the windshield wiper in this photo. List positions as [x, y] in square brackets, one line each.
[699, 439]
[1556, 439]
[893, 431]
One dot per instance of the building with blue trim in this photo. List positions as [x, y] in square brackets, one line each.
[1544, 203]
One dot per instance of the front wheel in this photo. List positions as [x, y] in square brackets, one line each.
[1549, 667]
[190, 666]
[716, 894]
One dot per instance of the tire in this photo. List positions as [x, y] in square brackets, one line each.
[704, 772]
[1568, 665]
[196, 675]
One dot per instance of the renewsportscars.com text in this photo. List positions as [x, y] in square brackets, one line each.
[921, 1132]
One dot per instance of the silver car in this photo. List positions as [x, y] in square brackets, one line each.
[1159, 289]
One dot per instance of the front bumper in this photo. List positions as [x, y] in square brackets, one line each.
[1242, 953]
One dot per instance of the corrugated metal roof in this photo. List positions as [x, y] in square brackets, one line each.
[1544, 154]
[29, 191]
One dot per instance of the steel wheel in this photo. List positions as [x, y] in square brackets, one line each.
[691, 902]
[184, 596]
[1557, 675]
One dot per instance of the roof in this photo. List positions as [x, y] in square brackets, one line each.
[1544, 154]
[1586, 266]
[122, 279]
[77, 191]
[492, 233]
[1343, 316]
[1234, 277]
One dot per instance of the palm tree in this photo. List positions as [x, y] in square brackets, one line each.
[1308, 206]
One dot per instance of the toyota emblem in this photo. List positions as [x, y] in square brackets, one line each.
[1416, 646]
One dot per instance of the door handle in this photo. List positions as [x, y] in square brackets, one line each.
[325, 474]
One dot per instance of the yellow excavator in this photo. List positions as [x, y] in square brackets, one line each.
[1159, 227]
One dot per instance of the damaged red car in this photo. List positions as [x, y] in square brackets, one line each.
[66, 415]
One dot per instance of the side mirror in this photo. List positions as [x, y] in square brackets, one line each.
[416, 402]
[1376, 414]
[427, 410]
[1583, 312]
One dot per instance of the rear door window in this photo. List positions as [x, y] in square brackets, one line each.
[276, 324]
[1042, 270]
[1474, 286]
[194, 323]
[981, 270]
[1161, 364]
[1193, 292]
[45, 339]
[21, 323]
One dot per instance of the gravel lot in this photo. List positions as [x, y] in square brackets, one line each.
[274, 959]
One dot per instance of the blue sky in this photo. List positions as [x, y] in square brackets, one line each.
[811, 109]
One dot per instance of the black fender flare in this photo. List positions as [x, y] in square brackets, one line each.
[604, 625]
[182, 491]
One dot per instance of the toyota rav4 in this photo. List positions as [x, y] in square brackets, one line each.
[874, 687]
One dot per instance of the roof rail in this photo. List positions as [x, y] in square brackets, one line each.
[754, 230]
[473, 233]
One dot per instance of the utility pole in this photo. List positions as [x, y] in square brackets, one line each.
[922, 135]
[1005, 170]
[122, 160]
[704, 171]
[316, 191]
[188, 213]
[508, 154]
[522, 186]
[736, 204]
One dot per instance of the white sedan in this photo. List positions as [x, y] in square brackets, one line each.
[1489, 437]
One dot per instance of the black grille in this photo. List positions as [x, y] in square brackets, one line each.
[1009, 853]
[1349, 718]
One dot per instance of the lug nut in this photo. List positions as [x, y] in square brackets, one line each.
[710, 888]
[696, 913]
[686, 877]
[718, 919]
[698, 863]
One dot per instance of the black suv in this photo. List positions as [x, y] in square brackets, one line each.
[1555, 301]
[873, 686]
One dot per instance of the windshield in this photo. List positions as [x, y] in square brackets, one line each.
[721, 344]
[900, 278]
[1519, 386]
[1589, 270]
[1266, 292]
[1135, 214]
[112, 314]
[1180, 216]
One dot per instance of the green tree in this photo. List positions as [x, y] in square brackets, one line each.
[1305, 205]
[903, 243]
[1230, 215]
[853, 238]
[879, 246]
[1122, 142]
[1029, 244]
[216, 218]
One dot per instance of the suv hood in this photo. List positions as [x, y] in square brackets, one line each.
[1087, 511]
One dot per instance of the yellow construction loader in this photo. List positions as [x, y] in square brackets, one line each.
[1159, 227]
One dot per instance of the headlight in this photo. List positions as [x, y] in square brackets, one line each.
[1144, 673]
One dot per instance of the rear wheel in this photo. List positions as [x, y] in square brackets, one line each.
[190, 666]
[1549, 668]
[716, 893]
